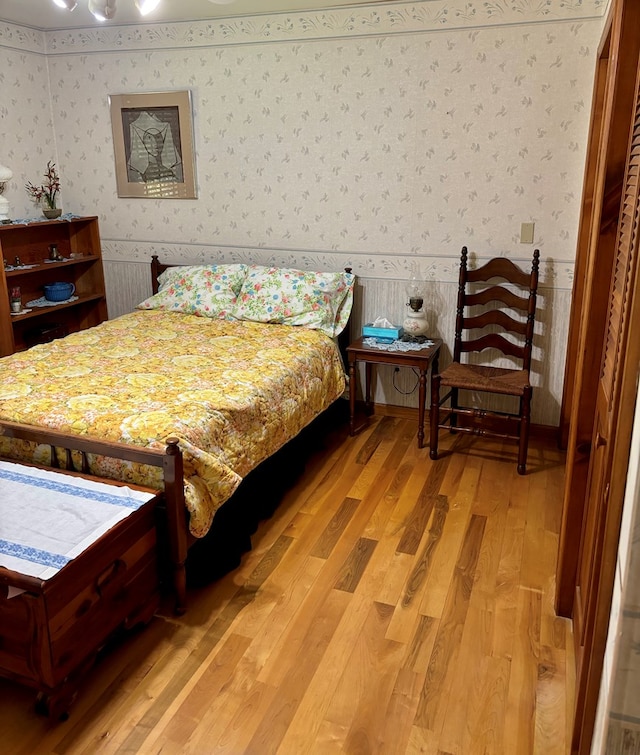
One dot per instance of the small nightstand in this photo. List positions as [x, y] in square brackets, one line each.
[422, 360]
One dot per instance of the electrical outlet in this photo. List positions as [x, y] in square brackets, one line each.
[526, 233]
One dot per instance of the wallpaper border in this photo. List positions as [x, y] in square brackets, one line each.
[21, 38]
[433, 268]
[354, 21]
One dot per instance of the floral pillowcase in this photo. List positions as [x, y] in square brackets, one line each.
[205, 290]
[294, 297]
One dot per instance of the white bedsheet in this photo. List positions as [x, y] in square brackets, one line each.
[48, 518]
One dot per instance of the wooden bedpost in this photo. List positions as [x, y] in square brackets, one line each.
[155, 272]
[172, 467]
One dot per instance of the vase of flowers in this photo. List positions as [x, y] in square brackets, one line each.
[47, 193]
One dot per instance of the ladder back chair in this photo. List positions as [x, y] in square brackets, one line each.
[482, 322]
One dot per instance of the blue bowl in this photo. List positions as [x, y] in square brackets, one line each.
[58, 291]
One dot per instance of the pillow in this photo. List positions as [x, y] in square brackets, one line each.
[294, 297]
[206, 290]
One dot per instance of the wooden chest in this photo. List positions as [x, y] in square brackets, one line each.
[51, 632]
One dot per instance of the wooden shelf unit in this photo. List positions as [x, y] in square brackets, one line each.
[30, 243]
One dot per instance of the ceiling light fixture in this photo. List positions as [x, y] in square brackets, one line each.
[146, 6]
[103, 10]
[68, 4]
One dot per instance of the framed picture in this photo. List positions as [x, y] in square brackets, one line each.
[153, 145]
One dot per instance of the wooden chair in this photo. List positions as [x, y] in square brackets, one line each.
[482, 322]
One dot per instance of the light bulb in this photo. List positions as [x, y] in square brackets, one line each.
[103, 10]
[146, 6]
[68, 4]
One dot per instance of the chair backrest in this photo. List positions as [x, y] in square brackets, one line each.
[495, 298]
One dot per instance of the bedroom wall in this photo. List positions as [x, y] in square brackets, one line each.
[373, 137]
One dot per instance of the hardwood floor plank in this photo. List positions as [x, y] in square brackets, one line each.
[442, 662]
[440, 507]
[377, 490]
[553, 629]
[549, 724]
[354, 566]
[383, 431]
[400, 712]
[523, 680]
[533, 572]
[436, 588]
[388, 571]
[332, 532]
[393, 486]
[420, 648]
[486, 731]
[423, 741]
[415, 526]
[410, 607]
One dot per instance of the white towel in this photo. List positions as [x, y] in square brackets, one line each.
[48, 518]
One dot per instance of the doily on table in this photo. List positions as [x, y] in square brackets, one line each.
[396, 345]
[43, 302]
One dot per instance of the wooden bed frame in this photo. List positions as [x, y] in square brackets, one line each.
[169, 460]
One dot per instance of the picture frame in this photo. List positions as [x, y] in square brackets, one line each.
[153, 145]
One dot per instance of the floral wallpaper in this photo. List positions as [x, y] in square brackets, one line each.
[375, 137]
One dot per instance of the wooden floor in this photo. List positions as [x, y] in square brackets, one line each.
[391, 605]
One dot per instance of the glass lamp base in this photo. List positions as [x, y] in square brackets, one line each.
[415, 324]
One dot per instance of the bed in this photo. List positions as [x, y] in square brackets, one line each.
[232, 360]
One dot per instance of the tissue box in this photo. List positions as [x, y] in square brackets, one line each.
[387, 335]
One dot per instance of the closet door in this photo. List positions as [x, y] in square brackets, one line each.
[612, 113]
[616, 391]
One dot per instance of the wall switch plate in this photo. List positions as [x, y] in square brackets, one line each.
[526, 233]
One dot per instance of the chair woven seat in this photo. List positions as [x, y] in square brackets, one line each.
[474, 377]
[495, 311]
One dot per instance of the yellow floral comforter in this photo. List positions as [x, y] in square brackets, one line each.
[233, 392]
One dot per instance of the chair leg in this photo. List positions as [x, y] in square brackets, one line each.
[525, 405]
[434, 417]
[453, 417]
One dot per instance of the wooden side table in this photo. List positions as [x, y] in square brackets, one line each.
[421, 359]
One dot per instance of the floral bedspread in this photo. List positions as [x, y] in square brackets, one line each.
[233, 392]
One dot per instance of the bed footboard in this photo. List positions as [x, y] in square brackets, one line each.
[169, 460]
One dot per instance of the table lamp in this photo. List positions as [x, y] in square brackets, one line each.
[415, 323]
